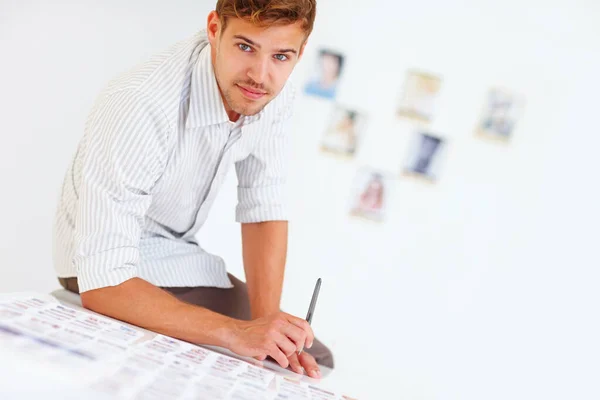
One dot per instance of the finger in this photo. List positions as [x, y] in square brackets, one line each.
[261, 358]
[310, 365]
[286, 345]
[295, 364]
[257, 361]
[305, 326]
[278, 356]
[296, 335]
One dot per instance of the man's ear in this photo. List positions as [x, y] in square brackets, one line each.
[213, 27]
[302, 49]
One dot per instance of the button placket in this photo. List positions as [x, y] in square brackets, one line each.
[224, 164]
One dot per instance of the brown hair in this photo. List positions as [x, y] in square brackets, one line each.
[269, 12]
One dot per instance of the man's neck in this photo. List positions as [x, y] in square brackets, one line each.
[233, 116]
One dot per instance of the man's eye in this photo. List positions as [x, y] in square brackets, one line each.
[244, 47]
[281, 57]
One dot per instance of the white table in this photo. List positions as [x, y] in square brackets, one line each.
[19, 379]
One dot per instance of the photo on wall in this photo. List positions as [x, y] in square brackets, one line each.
[343, 134]
[419, 96]
[326, 76]
[425, 156]
[500, 114]
[370, 190]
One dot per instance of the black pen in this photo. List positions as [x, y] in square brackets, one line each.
[313, 303]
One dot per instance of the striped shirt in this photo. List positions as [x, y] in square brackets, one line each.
[156, 147]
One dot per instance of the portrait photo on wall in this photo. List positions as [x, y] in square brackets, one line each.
[343, 134]
[370, 190]
[419, 96]
[500, 114]
[425, 156]
[326, 76]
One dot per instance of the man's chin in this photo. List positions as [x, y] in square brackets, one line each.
[249, 109]
[246, 111]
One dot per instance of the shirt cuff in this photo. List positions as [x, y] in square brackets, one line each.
[260, 204]
[109, 268]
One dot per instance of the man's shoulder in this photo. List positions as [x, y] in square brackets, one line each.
[157, 75]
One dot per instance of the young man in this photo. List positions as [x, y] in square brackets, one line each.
[157, 145]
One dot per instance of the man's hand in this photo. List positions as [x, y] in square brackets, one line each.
[278, 336]
[306, 361]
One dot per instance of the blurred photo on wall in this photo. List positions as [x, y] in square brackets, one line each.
[343, 134]
[500, 114]
[369, 194]
[419, 96]
[326, 75]
[425, 156]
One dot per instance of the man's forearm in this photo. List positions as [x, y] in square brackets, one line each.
[264, 250]
[140, 303]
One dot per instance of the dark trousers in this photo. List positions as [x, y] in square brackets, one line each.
[233, 302]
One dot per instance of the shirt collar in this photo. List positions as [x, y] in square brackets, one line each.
[206, 105]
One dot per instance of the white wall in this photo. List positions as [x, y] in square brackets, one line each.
[480, 286]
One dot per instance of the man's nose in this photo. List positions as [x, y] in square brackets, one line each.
[259, 70]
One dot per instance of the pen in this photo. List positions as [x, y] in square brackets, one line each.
[313, 303]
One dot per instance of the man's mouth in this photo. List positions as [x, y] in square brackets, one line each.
[253, 94]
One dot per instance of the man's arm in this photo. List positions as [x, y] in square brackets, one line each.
[140, 303]
[261, 211]
[264, 246]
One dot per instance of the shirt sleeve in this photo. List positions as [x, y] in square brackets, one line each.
[125, 153]
[262, 175]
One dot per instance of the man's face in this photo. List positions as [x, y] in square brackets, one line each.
[252, 63]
